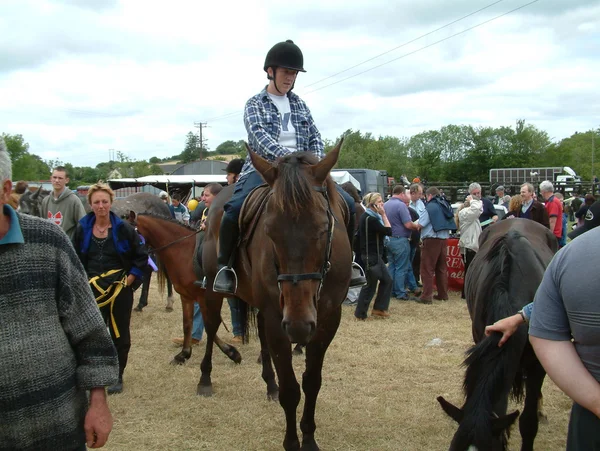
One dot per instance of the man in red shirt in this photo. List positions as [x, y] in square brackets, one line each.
[553, 207]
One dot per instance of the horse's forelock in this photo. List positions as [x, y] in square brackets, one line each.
[293, 191]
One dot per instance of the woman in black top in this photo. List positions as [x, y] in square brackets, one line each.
[374, 227]
[114, 259]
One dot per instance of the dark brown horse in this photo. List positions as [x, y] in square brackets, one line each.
[174, 244]
[295, 269]
[502, 278]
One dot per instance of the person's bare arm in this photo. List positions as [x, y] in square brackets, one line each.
[552, 223]
[506, 326]
[563, 365]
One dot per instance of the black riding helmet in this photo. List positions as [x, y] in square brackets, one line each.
[284, 54]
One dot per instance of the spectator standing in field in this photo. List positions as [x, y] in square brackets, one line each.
[531, 208]
[62, 206]
[417, 204]
[56, 355]
[553, 207]
[437, 221]
[374, 227]
[114, 259]
[398, 245]
[181, 212]
[470, 228]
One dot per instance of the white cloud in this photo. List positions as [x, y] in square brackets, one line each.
[80, 77]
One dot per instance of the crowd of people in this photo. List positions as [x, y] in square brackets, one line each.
[80, 277]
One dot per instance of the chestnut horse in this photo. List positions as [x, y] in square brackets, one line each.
[174, 244]
[503, 277]
[295, 268]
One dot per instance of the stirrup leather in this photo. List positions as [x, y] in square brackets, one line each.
[223, 277]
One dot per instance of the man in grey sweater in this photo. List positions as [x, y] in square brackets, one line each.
[54, 346]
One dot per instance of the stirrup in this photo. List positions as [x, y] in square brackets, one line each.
[225, 281]
[357, 280]
[201, 283]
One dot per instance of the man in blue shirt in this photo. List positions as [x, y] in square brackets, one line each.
[398, 245]
[437, 220]
[278, 123]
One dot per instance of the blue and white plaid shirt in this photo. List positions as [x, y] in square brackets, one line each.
[263, 124]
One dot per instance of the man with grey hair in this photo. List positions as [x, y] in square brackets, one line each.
[531, 208]
[56, 353]
[553, 207]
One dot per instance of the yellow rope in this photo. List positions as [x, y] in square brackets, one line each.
[111, 293]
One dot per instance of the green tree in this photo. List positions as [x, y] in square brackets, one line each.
[230, 147]
[30, 167]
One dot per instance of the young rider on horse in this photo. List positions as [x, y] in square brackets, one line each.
[278, 123]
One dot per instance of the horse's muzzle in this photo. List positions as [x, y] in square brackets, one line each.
[299, 331]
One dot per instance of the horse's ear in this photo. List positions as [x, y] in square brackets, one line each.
[37, 193]
[132, 216]
[500, 424]
[453, 412]
[321, 169]
[266, 169]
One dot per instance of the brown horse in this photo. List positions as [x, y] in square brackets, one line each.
[295, 268]
[505, 275]
[174, 244]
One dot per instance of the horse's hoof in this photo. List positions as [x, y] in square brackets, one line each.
[309, 445]
[178, 360]
[297, 351]
[542, 418]
[204, 390]
[234, 354]
[273, 396]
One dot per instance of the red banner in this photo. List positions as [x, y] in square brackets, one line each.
[456, 267]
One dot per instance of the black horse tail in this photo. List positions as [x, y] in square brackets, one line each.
[161, 275]
[249, 324]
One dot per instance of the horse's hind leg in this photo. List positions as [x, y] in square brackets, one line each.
[311, 379]
[211, 312]
[528, 422]
[170, 298]
[268, 374]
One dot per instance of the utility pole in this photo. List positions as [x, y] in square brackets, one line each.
[201, 140]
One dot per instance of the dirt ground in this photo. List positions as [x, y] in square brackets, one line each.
[380, 381]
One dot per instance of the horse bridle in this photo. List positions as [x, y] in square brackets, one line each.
[183, 238]
[320, 276]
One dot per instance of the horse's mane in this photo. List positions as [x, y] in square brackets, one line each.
[292, 190]
[170, 220]
[492, 371]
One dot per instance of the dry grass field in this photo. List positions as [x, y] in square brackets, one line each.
[380, 381]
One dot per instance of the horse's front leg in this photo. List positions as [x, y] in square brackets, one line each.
[528, 422]
[311, 379]
[187, 307]
[280, 350]
[268, 374]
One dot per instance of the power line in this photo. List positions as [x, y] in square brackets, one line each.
[236, 113]
[423, 48]
[404, 45]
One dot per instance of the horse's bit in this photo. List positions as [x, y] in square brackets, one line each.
[320, 276]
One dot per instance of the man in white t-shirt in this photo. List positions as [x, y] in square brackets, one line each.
[278, 123]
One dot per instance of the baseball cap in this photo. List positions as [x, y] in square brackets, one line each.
[592, 219]
[234, 166]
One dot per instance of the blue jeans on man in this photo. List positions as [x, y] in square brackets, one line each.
[236, 316]
[411, 282]
[399, 264]
[198, 323]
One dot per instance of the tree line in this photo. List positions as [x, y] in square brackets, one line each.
[452, 154]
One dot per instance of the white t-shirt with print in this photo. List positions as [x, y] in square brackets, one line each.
[287, 138]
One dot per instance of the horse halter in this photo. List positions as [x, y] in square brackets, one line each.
[320, 276]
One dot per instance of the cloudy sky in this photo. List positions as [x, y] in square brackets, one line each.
[80, 77]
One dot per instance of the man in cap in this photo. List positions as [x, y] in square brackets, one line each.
[233, 170]
[499, 197]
